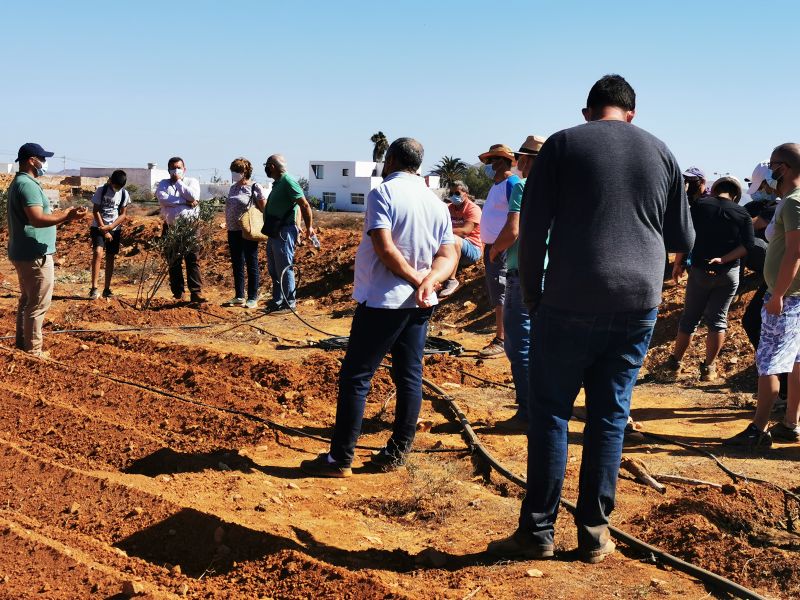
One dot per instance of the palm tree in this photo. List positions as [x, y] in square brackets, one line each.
[449, 169]
[381, 145]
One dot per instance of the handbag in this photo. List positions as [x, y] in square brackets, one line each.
[252, 220]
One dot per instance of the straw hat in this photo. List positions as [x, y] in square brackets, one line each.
[531, 146]
[500, 150]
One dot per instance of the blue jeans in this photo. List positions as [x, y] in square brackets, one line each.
[517, 343]
[374, 333]
[244, 253]
[602, 352]
[280, 254]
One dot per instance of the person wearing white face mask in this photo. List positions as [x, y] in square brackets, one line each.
[244, 252]
[32, 243]
[179, 197]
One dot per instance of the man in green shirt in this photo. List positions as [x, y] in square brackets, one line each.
[32, 243]
[283, 203]
[516, 320]
[779, 344]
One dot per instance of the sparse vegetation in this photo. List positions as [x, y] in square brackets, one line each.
[477, 181]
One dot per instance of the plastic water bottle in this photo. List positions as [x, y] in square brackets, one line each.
[315, 241]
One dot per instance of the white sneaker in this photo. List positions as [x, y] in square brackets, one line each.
[251, 304]
[235, 302]
[450, 286]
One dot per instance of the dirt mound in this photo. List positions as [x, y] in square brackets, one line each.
[739, 532]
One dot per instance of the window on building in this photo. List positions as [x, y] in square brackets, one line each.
[356, 198]
[329, 198]
[319, 171]
[345, 172]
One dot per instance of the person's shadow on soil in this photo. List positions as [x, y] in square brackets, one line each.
[166, 461]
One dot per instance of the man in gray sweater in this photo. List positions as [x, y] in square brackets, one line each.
[612, 198]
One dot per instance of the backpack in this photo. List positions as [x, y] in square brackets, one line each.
[122, 202]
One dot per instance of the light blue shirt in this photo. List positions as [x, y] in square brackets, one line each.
[420, 225]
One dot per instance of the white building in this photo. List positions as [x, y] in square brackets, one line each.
[144, 179]
[344, 185]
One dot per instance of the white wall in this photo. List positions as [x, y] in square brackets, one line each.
[144, 179]
[8, 168]
[359, 180]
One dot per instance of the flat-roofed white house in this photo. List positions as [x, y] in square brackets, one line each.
[143, 178]
[344, 184]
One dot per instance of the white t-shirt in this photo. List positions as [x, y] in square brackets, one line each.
[495, 209]
[109, 203]
[420, 225]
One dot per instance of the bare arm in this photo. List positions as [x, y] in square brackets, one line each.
[759, 223]
[308, 218]
[786, 274]
[507, 236]
[735, 254]
[678, 267]
[118, 221]
[38, 218]
[390, 256]
[465, 230]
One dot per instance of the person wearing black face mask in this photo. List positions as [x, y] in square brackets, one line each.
[695, 181]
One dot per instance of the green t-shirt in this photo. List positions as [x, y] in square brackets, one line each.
[26, 242]
[285, 191]
[786, 219]
[514, 206]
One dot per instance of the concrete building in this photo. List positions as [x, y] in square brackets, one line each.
[344, 185]
[144, 179]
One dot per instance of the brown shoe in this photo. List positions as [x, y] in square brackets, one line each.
[322, 467]
[598, 554]
[493, 349]
[708, 372]
[198, 298]
[518, 545]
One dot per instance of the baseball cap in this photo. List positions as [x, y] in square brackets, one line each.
[694, 173]
[32, 149]
[760, 173]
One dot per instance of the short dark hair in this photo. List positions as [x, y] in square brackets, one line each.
[407, 152]
[119, 178]
[174, 160]
[726, 186]
[611, 90]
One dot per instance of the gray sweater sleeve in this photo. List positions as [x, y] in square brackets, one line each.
[536, 215]
[678, 229]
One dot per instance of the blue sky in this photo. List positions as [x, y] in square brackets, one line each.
[126, 82]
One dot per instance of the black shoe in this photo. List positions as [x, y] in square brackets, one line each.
[781, 433]
[384, 462]
[322, 467]
[751, 437]
[107, 293]
[94, 294]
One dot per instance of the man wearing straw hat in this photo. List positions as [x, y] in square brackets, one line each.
[498, 161]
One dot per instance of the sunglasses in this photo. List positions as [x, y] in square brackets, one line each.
[772, 165]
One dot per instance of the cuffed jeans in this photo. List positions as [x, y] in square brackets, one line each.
[602, 352]
[280, 255]
[36, 293]
[244, 253]
[374, 333]
[517, 342]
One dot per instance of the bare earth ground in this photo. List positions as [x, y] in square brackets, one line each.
[105, 482]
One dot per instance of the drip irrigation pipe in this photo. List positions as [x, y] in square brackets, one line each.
[489, 381]
[232, 411]
[703, 575]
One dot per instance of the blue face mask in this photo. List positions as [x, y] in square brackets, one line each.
[456, 199]
[761, 195]
[489, 170]
[771, 181]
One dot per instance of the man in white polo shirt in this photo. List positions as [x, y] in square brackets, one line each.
[498, 162]
[406, 250]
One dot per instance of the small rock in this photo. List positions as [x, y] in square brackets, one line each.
[183, 589]
[219, 534]
[4, 579]
[84, 347]
[236, 497]
[261, 507]
[98, 393]
[424, 426]
[166, 478]
[136, 511]
[175, 570]
[292, 486]
[475, 502]
[291, 395]
[468, 305]
[276, 500]
[73, 508]
[132, 588]
[657, 583]
[534, 573]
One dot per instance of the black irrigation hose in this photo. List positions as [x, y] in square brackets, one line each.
[489, 381]
[232, 411]
[703, 575]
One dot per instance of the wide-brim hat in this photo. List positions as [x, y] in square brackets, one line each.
[729, 179]
[531, 146]
[500, 150]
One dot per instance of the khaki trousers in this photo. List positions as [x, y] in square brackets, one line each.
[36, 287]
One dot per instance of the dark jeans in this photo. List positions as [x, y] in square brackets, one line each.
[602, 352]
[280, 255]
[176, 284]
[517, 342]
[374, 333]
[244, 253]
